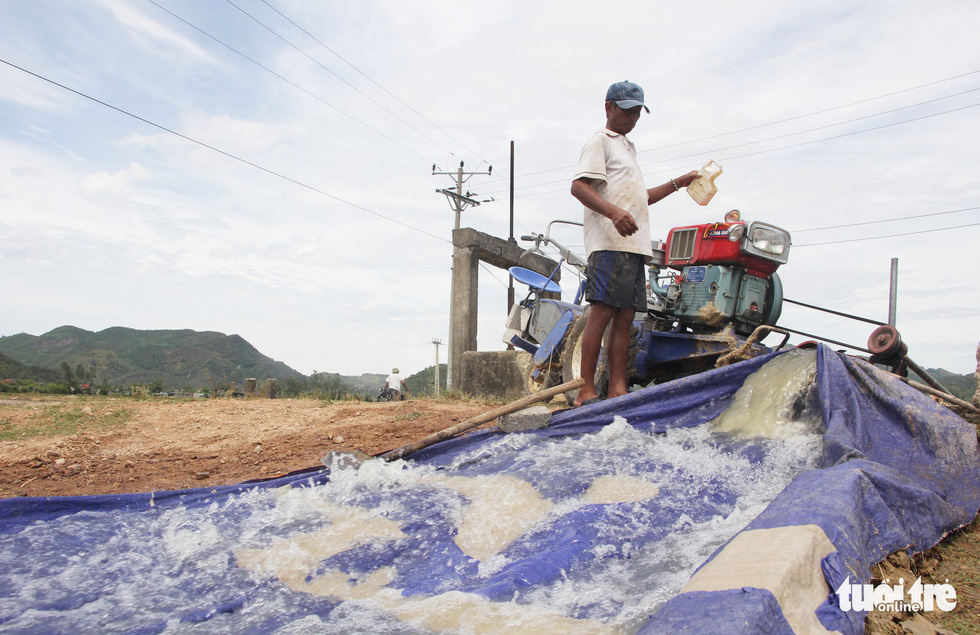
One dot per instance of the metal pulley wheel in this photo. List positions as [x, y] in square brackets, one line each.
[886, 342]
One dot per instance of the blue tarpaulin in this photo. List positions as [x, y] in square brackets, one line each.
[366, 549]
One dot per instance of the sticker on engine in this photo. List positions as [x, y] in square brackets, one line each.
[717, 230]
[694, 274]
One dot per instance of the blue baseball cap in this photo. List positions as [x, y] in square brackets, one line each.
[626, 95]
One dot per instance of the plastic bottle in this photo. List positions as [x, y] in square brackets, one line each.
[703, 187]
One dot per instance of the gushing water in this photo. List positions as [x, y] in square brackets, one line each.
[588, 533]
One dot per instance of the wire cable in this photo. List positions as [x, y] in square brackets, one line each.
[223, 152]
[885, 220]
[780, 121]
[832, 125]
[786, 147]
[366, 76]
[817, 112]
[915, 233]
[317, 62]
[365, 95]
[288, 81]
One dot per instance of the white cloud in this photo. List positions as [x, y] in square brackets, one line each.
[142, 26]
[303, 258]
[117, 185]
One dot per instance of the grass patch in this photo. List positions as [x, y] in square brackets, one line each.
[63, 420]
[408, 416]
[959, 563]
[460, 397]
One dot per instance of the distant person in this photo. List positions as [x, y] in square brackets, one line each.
[609, 183]
[395, 387]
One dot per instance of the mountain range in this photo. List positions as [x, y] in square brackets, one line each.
[120, 356]
[125, 356]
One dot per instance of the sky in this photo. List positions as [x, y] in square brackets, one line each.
[265, 167]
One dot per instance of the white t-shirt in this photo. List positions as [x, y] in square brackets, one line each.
[394, 381]
[610, 158]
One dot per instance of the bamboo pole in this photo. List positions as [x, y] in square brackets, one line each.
[544, 395]
[929, 390]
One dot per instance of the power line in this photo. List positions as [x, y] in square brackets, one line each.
[363, 74]
[493, 275]
[310, 57]
[786, 147]
[780, 121]
[322, 66]
[852, 133]
[223, 152]
[915, 233]
[886, 220]
[291, 83]
[294, 23]
[832, 125]
[818, 112]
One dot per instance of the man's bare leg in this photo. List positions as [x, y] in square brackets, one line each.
[599, 316]
[618, 351]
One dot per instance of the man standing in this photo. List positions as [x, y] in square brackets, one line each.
[609, 183]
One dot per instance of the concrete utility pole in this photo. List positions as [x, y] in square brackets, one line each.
[458, 201]
[437, 342]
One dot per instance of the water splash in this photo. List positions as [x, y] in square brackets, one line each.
[586, 533]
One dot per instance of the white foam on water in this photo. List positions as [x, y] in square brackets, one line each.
[705, 483]
[629, 588]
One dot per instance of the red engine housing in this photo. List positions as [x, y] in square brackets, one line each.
[708, 244]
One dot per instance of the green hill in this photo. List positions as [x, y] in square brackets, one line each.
[12, 369]
[122, 356]
[962, 386]
[423, 382]
[368, 383]
[420, 383]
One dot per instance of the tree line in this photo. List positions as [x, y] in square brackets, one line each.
[17, 378]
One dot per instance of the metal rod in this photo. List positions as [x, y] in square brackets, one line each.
[918, 370]
[511, 239]
[825, 339]
[938, 393]
[847, 315]
[459, 193]
[510, 278]
[893, 293]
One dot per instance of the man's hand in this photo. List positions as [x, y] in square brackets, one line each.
[624, 222]
[687, 179]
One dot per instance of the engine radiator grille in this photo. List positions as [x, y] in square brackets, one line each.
[682, 244]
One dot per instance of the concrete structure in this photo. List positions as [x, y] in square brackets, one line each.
[470, 247]
[494, 373]
[533, 418]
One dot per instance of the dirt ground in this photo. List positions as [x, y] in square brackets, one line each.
[167, 444]
[113, 445]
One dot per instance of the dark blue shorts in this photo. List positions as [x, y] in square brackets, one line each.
[618, 279]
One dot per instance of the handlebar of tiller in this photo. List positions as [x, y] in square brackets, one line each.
[565, 252]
